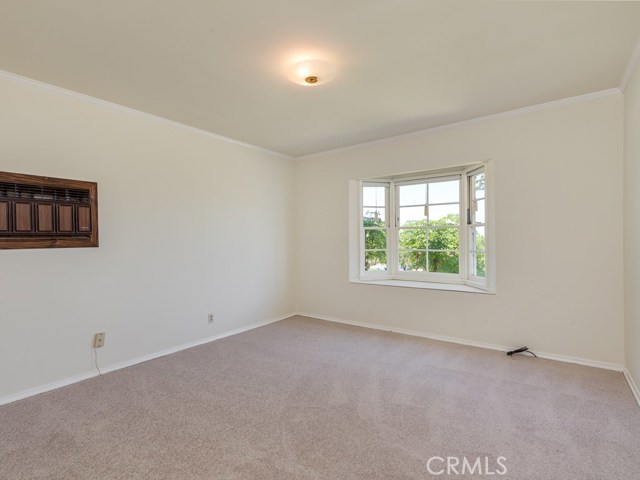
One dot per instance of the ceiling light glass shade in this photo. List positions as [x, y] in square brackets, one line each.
[311, 72]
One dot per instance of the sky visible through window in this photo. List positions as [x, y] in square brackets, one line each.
[422, 208]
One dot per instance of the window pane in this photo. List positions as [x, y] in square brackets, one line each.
[478, 264]
[373, 217]
[413, 239]
[444, 262]
[413, 261]
[477, 238]
[375, 239]
[477, 185]
[412, 217]
[444, 214]
[375, 261]
[373, 196]
[444, 239]
[413, 194]
[479, 216]
[444, 192]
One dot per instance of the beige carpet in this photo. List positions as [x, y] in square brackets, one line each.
[308, 399]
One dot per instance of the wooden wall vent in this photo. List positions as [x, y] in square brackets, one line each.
[44, 212]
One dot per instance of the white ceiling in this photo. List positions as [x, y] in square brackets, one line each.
[402, 65]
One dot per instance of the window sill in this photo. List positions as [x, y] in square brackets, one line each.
[452, 287]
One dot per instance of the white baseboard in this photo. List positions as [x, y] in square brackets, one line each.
[134, 361]
[144, 358]
[45, 388]
[491, 346]
[632, 385]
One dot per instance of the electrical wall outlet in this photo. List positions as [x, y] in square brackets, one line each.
[211, 318]
[98, 340]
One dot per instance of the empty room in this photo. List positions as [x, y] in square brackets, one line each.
[366, 239]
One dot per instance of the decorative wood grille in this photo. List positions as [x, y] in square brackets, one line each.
[43, 212]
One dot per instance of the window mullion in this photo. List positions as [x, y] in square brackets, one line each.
[392, 244]
[361, 239]
[463, 226]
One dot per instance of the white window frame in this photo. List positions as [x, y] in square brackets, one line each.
[464, 280]
[372, 275]
[470, 224]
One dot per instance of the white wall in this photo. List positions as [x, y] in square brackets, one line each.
[558, 182]
[189, 224]
[632, 224]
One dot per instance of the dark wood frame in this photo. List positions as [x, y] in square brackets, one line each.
[41, 240]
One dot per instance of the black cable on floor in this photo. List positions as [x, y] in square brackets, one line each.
[521, 350]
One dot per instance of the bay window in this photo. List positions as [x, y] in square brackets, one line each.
[429, 227]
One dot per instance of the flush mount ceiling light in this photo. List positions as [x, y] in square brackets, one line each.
[311, 72]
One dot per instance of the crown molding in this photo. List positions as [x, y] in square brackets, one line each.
[464, 123]
[472, 121]
[116, 106]
[631, 66]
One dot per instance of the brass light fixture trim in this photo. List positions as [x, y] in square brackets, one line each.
[311, 72]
